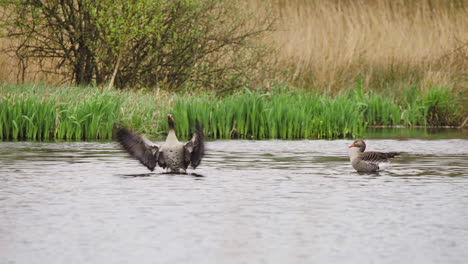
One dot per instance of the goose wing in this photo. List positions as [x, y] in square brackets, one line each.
[373, 156]
[194, 149]
[139, 147]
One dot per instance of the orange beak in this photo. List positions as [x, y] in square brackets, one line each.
[351, 146]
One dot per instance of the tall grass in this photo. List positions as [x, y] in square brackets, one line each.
[29, 115]
[42, 112]
[326, 44]
[287, 114]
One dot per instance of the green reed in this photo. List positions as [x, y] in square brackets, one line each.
[285, 115]
[41, 112]
[36, 112]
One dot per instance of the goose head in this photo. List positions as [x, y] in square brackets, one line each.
[358, 144]
[170, 121]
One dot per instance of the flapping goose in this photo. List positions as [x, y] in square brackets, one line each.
[367, 161]
[172, 154]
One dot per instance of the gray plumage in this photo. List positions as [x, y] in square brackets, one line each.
[172, 154]
[367, 161]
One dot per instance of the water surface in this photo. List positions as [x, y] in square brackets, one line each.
[250, 202]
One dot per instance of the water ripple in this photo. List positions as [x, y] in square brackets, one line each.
[267, 201]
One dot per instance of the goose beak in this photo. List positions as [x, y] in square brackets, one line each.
[352, 146]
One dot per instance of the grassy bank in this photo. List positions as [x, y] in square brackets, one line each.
[44, 112]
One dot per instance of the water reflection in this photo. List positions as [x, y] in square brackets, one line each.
[135, 175]
[155, 174]
[430, 133]
[248, 202]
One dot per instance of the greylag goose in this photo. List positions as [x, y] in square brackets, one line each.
[172, 154]
[367, 161]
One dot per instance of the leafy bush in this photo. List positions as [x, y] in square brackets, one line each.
[175, 44]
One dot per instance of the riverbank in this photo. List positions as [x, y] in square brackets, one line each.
[47, 112]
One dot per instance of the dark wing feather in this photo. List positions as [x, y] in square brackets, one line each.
[194, 149]
[373, 156]
[139, 147]
[161, 160]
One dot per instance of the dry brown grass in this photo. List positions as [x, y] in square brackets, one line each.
[327, 44]
[12, 70]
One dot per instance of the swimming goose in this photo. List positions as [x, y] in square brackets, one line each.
[367, 161]
[172, 154]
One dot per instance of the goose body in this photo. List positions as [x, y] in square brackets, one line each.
[367, 161]
[172, 154]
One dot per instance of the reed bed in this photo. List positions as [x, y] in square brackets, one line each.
[29, 115]
[41, 112]
[70, 113]
[325, 45]
[287, 114]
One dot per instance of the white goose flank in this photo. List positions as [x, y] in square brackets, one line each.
[172, 154]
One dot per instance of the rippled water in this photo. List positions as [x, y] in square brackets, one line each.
[250, 202]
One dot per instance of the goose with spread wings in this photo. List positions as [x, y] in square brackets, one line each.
[172, 154]
[367, 161]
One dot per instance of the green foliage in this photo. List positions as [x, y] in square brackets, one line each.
[36, 114]
[285, 115]
[40, 112]
[438, 107]
[179, 45]
[431, 107]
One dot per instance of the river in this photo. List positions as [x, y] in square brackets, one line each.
[268, 201]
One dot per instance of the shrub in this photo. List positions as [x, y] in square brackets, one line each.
[176, 44]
